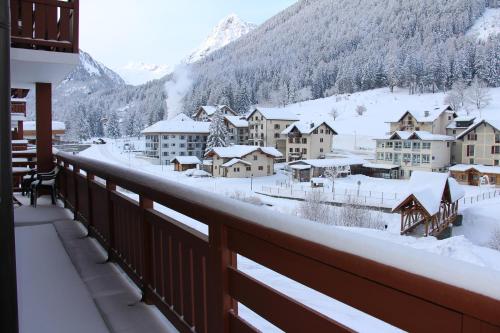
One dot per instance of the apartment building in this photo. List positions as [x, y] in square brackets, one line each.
[242, 161]
[480, 143]
[206, 112]
[167, 139]
[307, 140]
[433, 120]
[456, 128]
[237, 129]
[265, 127]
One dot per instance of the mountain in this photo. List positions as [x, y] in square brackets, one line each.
[318, 48]
[226, 31]
[137, 73]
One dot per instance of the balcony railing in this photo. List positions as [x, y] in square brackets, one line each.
[194, 279]
[49, 25]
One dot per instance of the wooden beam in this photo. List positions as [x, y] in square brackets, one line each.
[44, 126]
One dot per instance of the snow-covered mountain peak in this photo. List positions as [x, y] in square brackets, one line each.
[137, 73]
[226, 31]
[92, 68]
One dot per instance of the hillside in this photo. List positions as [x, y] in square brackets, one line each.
[317, 48]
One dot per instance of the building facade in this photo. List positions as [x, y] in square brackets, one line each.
[480, 143]
[265, 127]
[206, 112]
[237, 129]
[433, 120]
[243, 161]
[308, 140]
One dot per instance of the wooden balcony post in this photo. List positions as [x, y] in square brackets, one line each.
[110, 188]
[76, 171]
[90, 178]
[44, 126]
[147, 258]
[219, 300]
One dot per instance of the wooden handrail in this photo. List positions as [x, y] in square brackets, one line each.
[50, 25]
[178, 263]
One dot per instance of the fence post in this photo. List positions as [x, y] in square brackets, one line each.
[110, 187]
[76, 171]
[147, 256]
[90, 178]
[220, 259]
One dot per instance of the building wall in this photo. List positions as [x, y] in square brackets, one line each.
[257, 159]
[463, 177]
[439, 155]
[408, 123]
[266, 132]
[237, 135]
[170, 145]
[316, 146]
[486, 138]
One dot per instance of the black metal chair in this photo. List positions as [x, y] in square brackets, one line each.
[44, 181]
[26, 182]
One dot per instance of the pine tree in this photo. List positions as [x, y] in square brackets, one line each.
[218, 131]
[113, 126]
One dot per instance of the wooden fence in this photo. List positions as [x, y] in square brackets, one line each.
[194, 279]
[45, 25]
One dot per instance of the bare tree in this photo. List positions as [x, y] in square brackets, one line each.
[478, 94]
[456, 97]
[331, 174]
[353, 214]
[361, 110]
[313, 208]
[334, 113]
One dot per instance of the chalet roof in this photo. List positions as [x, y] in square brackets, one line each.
[211, 109]
[426, 115]
[418, 135]
[275, 114]
[237, 121]
[307, 127]
[235, 161]
[181, 117]
[239, 151]
[495, 123]
[56, 126]
[478, 167]
[186, 160]
[329, 163]
[429, 189]
[172, 126]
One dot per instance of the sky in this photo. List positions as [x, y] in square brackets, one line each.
[117, 32]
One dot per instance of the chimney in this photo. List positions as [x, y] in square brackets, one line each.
[311, 125]
[427, 114]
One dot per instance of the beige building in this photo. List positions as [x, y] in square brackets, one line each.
[433, 120]
[308, 140]
[480, 143]
[241, 161]
[237, 129]
[412, 151]
[206, 112]
[456, 128]
[265, 127]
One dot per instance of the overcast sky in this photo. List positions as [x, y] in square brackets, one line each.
[117, 32]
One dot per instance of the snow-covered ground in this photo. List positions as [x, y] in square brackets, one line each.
[488, 24]
[467, 244]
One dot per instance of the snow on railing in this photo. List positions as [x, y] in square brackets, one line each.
[195, 281]
[469, 200]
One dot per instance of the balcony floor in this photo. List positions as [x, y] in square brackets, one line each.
[64, 282]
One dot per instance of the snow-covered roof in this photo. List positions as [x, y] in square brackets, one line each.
[275, 114]
[479, 167]
[384, 166]
[186, 160]
[56, 126]
[210, 109]
[300, 166]
[235, 161]
[495, 123]
[171, 126]
[426, 115]
[17, 116]
[208, 162]
[181, 117]
[418, 135]
[19, 142]
[329, 162]
[318, 180]
[307, 127]
[238, 151]
[428, 188]
[237, 121]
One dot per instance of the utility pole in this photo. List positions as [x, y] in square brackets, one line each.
[8, 282]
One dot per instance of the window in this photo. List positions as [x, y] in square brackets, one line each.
[388, 156]
[415, 159]
[261, 168]
[321, 131]
[261, 126]
[397, 145]
[495, 149]
[472, 137]
[291, 150]
[183, 137]
[297, 150]
[276, 135]
[304, 151]
[182, 153]
[470, 150]
[406, 157]
[397, 158]
[471, 161]
[165, 145]
[165, 153]
[249, 168]
[297, 140]
[321, 150]
[304, 140]
[407, 144]
[236, 169]
[173, 136]
[389, 144]
[315, 131]
[255, 157]
[190, 138]
[380, 156]
[426, 159]
[497, 138]
[165, 137]
[320, 140]
[426, 145]
[276, 126]
[496, 163]
[173, 144]
[416, 145]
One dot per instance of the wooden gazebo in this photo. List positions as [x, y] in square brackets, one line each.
[431, 202]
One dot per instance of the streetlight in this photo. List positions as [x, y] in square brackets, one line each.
[359, 185]
[251, 182]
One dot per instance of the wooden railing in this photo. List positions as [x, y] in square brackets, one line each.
[50, 25]
[194, 278]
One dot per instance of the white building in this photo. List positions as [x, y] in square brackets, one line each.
[167, 139]
[237, 128]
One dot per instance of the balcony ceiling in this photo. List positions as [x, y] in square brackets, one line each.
[30, 66]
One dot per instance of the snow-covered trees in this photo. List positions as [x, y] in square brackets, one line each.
[478, 94]
[113, 126]
[313, 208]
[360, 110]
[334, 113]
[218, 131]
